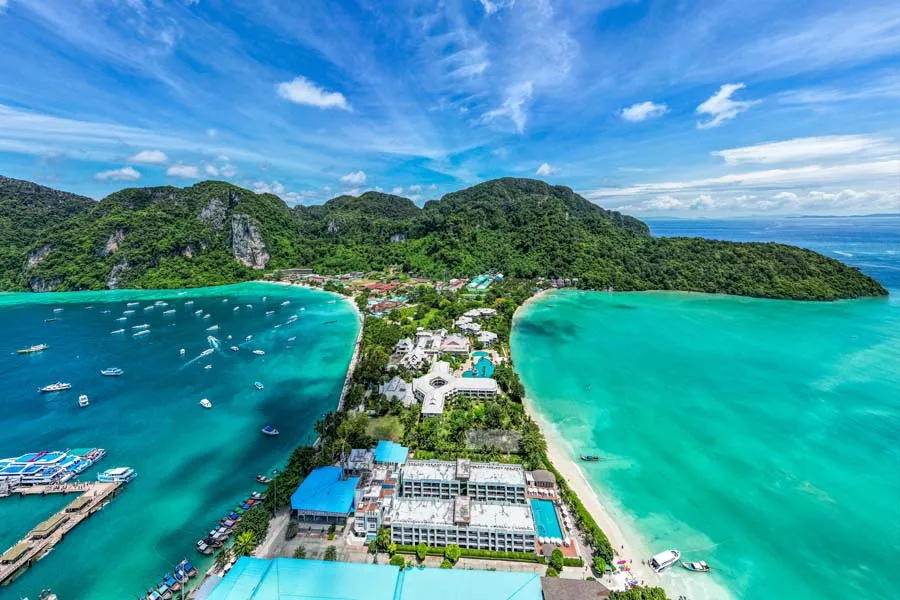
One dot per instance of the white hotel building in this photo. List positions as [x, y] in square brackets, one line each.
[440, 385]
[485, 482]
[462, 521]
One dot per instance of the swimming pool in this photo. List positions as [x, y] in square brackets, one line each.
[545, 518]
[482, 368]
[481, 353]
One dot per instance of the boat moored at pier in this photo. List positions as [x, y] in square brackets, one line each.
[117, 475]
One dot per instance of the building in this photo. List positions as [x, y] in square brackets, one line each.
[541, 478]
[487, 482]
[296, 579]
[374, 502]
[398, 389]
[404, 346]
[455, 344]
[477, 313]
[440, 385]
[430, 341]
[462, 521]
[557, 588]
[360, 461]
[324, 496]
[390, 454]
[487, 338]
[414, 359]
[470, 328]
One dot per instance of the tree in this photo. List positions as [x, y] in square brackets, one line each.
[421, 551]
[557, 560]
[392, 548]
[222, 558]
[446, 564]
[373, 547]
[245, 543]
[551, 572]
[383, 539]
[292, 529]
[398, 561]
[599, 565]
[300, 552]
[330, 553]
[452, 553]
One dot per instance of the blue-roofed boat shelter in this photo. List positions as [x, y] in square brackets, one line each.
[324, 496]
[390, 453]
[293, 579]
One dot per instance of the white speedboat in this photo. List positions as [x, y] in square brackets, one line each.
[207, 316]
[117, 331]
[235, 309]
[141, 326]
[189, 302]
[57, 310]
[208, 367]
[234, 348]
[258, 385]
[112, 372]
[662, 561]
[213, 328]
[59, 386]
[225, 301]
[181, 352]
[133, 304]
[83, 400]
[122, 319]
[249, 306]
[286, 302]
[207, 352]
[141, 332]
[128, 312]
[117, 475]
[198, 312]
[248, 338]
[259, 352]
[148, 308]
[205, 403]
[291, 339]
[171, 311]
[270, 312]
[697, 567]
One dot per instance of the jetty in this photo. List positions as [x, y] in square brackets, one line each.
[92, 496]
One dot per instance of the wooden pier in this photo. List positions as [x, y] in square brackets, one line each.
[37, 542]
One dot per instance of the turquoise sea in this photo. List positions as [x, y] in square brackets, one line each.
[193, 464]
[762, 436]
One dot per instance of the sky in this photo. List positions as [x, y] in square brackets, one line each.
[654, 108]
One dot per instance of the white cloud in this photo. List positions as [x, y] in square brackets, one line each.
[492, 6]
[808, 148]
[212, 132]
[354, 179]
[433, 187]
[3, 5]
[641, 111]
[278, 189]
[415, 188]
[720, 107]
[123, 174]
[303, 91]
[397, 191]
[785, 196]
[183, 171]
[150, 157]
[222, 158]
[228, 171]
[211, 170]
[513, 107]
[884, 172]
[545, 170]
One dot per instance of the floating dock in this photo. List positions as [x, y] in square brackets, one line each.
[92, 496]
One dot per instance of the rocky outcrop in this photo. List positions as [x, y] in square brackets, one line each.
[116, 274]
[333, 227]
[39, 284]
[112, 243]
[246, 242]
[35, 257]
[214, 214]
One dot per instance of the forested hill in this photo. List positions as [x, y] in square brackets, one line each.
[215, 232]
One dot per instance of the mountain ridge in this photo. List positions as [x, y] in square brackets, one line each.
[214, 232]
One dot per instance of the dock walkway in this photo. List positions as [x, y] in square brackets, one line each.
[37, 542]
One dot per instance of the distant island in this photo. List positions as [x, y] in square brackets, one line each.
[214, 233]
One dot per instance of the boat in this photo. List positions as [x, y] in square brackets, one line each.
[173, 584]
[208, 367]
[259, 352]
[83, 400]
[270, 312]
[112, 372]
[590, 458]
[128, 312]
[148, 308]
[181, 352]
[263, 479]
[51, 319]
[330, 322]
[206, 352]
[258, 385]
[235, 309]
[117, 475]
[141, 332]
[697, 567]
[122, 319]
[55, 387]
[141, 326]
[291, 339]
[270, 430]
[213, 328]
[117, 331]
[248, 338]
[207, 316]
[164, 592]
[662, 561]
[225, 301]
[258, 496]
[205, 403]
[249, 306]
[188, 568]
[199, 311]
[234, 348]
[33, 349]
[57, 310]
[132, 304]
[188, 303]
[203, 548]
[286, 302]
[171, 311]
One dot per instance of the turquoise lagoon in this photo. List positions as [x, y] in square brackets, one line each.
[192, 463]
[759, 435]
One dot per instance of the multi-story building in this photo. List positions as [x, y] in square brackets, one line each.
[440, 385]
[488, 482]
[462, 521]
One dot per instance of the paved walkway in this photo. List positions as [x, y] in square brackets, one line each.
[275, 536]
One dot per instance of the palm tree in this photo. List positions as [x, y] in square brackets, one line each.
[300, 552]
[331, 553]
[222, 558]
[245, 543]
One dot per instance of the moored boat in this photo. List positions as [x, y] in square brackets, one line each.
[263, 479]
[269, 312]
[204, 548]
[117, 331]
[286, 302]
[258, 385]
[205, 403]
[259, 352]
[589, 458]
[112, 372]
[51, 319]
[207, 352]
[132, 304]
[141, 326]
[59, 386]
[83, 400]
[662, 561]
[33, 349]
[117, 474]
[269, 430]
[141, 332]
[212, 328]
[697, 567]
[171, 311]
[234, 348]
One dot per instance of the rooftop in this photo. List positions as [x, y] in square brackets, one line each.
[488, 515]
[556, 588]
[390, 452]
[497, 473]
[323, 491]
[453, 584]
[430, 470]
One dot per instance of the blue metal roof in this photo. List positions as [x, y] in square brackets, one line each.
[389, 452]
[293, 579]
[323, 491]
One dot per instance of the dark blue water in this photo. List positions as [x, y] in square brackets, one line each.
[871, 244]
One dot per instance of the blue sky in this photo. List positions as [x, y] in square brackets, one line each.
[685, 108]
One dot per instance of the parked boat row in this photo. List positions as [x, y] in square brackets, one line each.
[219, 534]
[172, 583]
[49, 467]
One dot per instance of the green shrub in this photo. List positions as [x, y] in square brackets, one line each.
[446, 564]
[398, 561]
[573, 562]
[551, 572]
